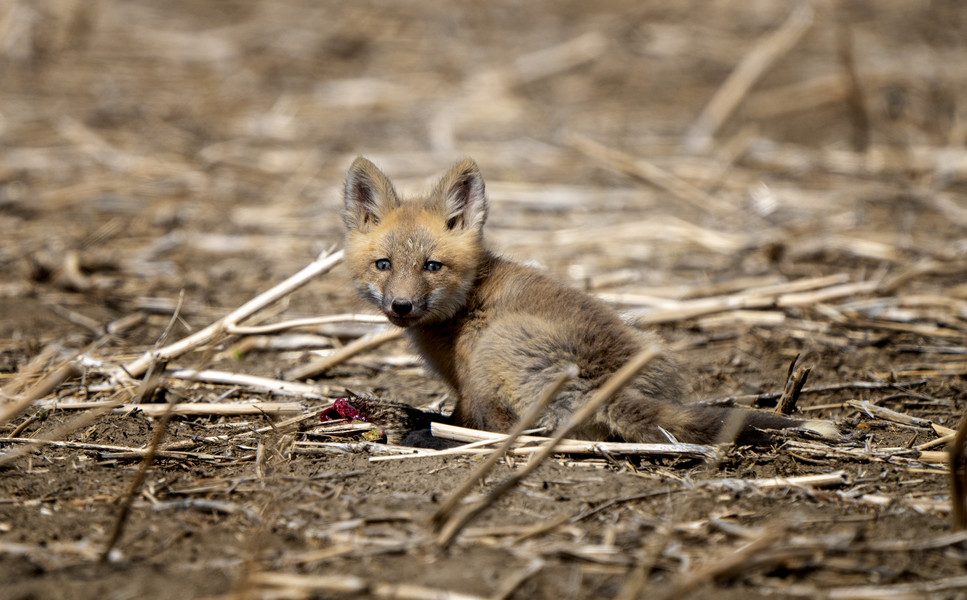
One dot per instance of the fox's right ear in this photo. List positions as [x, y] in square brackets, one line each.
[463, 196]
[369, 195]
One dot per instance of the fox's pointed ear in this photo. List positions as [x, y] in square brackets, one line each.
[369, 195]
[463, 195]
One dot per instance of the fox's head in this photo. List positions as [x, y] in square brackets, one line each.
[415, 259]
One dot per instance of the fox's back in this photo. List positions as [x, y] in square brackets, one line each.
[555, 321]
[519, 331]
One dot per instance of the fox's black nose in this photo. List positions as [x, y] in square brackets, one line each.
[402, 306]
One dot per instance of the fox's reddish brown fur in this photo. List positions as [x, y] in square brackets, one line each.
[499, 332]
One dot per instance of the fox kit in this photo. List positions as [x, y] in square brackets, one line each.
[500, 332]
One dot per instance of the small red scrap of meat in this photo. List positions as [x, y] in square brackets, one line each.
[342, 409]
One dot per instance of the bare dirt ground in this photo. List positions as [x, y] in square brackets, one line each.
[753, 180]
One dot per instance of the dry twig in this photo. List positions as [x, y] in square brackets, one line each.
[322, 264]
[766, 52]
[650, 173]
[795, 380]
[566, 446]
[348, 584]
[135, 485]
[367, 342]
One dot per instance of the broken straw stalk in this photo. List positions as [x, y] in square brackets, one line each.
[324, 263]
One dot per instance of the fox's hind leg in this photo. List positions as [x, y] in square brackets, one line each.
[633, 417]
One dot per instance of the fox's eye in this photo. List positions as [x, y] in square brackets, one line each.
[384, 264]
[432, 265]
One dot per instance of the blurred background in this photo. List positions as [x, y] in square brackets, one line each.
[147, 147]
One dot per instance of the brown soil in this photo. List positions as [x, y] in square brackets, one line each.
[154, 149]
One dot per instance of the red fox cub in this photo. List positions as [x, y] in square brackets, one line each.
[500, 332]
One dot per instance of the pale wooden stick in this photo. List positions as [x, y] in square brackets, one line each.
[917, 504]
[276, 343]
[934, 456]
[571, 447]
[324, 263]
[449, 531]
[744, 318]
[767, 50]
[276, 386]
[367, 342]
[462, 434]
[477, 447]
[735, 289]
[307, 322]
[818, 480]
[899, 591]
[336, 428]
[900, 545]
[903, 456]
[804, 284]
[625, 448]
[951, 370]
[535, 412]
[940, 441]
[333, 584]
[770, 290]
[887, 414]
[826, 294]
[322, 554]
[690, 309]
[349, 584]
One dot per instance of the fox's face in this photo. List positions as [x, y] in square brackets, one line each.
[417, 259]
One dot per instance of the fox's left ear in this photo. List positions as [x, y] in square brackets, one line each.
[369, 195]
[463, 195]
